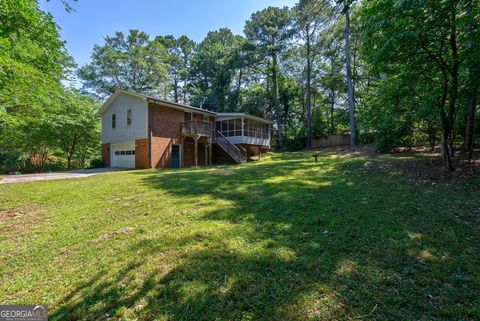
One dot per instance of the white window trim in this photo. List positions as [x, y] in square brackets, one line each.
[131, 117]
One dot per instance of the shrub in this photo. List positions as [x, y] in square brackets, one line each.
[11, 163]
[97, 163]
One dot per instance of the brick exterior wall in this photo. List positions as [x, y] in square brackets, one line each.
[162, 151]
[165, 127]
[142, 154]
[106, 154]
[164, 124]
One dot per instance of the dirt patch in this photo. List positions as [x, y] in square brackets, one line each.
[25, 210]
[21, 219]
[428, 170]
[111, 235]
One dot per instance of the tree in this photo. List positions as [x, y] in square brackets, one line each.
[422, 38]
[178, 58]
[213, 69]
[271, 30]
[131, 62]
[186, 48]
[331, 79]
[351, 94]
[32, 64]
[471, 43]
[75, 124]
[310, 16]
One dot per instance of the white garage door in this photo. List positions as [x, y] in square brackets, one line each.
[123, 155]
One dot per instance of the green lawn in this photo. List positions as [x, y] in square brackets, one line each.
[281, 239]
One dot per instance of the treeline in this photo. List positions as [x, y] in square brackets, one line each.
[288, 67]
[43, 124]
[414, 73]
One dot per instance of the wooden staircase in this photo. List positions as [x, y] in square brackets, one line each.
[238, 154]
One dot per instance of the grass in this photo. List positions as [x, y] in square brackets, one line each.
[281, 239]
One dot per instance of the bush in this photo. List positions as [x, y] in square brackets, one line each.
[97, 163]
[12, 163]
[55, 164]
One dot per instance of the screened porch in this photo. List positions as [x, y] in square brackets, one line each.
[244, 130]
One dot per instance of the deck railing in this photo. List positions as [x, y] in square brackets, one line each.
[197, 127]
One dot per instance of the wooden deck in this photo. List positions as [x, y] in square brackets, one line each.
[198, 129]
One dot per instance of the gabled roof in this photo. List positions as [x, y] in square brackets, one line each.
[112, 98]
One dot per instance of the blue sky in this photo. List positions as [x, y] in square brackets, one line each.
[94, 19]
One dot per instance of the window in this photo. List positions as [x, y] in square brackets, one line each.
[129, 117]
[188, 116]
[124, 152]
[114, 121]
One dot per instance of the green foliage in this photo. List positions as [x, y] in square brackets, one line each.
[270, 30]
[76, 127]
[97, 163]
[33, 59]
[131, 62]
[213, 69]
[421, 50]
[178, 59]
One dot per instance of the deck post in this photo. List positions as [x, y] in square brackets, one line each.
[206, 153]
[210, 147]
[195, 150]
[242, 128]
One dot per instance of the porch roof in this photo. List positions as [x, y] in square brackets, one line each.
[247, 116]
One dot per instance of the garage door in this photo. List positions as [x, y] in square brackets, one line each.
[123, 155]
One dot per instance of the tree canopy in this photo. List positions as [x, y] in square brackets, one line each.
[413, 76]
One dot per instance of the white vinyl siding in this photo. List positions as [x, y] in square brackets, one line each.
[123, 132]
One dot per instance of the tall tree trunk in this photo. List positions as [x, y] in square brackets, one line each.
[276, 101]
[309, 90]
[454, 76]
[351, 95]
[332, 112]
[239, 86]
[470, 124]
[472, 94]
[69, 162]
[185, 83]
[175, 90]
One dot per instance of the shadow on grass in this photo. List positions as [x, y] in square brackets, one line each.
[305, 240]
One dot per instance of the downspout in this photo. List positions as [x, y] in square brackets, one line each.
[150, 128]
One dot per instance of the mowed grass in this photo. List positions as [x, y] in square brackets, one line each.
[286, 238]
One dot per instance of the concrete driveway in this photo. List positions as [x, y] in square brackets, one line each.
[10, 179]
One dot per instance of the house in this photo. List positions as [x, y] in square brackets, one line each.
[139, 131]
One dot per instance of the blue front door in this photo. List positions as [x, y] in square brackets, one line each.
[175, 156]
